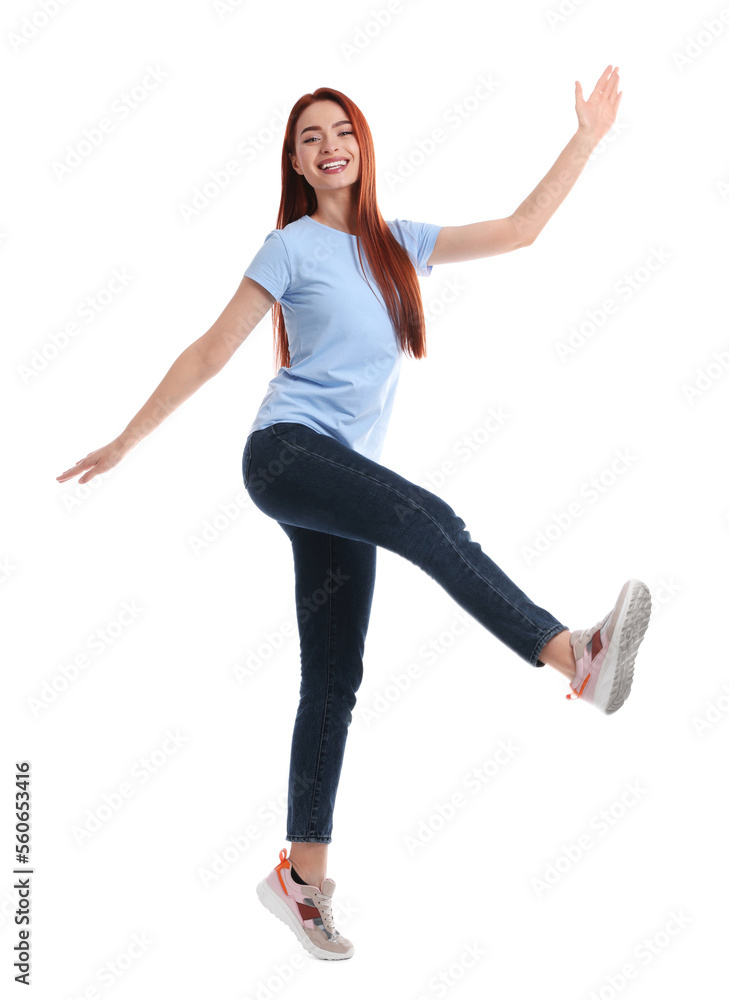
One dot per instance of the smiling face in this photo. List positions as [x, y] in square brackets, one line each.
[323, 134]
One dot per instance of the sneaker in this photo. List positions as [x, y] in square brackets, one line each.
[305, 909]
[605, 653]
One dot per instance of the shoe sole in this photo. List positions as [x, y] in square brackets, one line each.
[627, 636]
[279, 909]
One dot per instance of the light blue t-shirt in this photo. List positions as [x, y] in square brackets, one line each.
[345, 356]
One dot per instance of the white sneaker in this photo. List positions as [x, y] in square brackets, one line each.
[606, 652]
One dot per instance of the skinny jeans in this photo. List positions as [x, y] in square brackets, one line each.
[337, 506]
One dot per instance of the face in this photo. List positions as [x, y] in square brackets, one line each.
[322, 134]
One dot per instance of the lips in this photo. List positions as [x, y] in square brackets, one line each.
[334, 159]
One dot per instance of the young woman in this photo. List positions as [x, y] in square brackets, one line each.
[346, 306]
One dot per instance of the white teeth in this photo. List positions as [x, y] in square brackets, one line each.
[330, 166]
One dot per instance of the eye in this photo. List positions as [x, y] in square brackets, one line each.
[345, 132]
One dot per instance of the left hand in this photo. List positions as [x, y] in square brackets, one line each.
[596, 115]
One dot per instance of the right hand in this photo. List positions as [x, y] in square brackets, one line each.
[97, 461]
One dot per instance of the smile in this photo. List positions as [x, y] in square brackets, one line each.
[338, 165]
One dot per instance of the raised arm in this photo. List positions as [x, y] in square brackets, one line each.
[595, 118]
[197, 364]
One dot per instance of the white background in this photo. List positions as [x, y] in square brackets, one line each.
[414, 891]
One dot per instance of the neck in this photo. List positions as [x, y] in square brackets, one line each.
[337, 213]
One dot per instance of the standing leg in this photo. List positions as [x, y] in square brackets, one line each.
[334, 587]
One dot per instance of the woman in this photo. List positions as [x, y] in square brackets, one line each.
[346, 307]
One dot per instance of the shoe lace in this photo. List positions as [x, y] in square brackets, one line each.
[324, 903]
[587, 633]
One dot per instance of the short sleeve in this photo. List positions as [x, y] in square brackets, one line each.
[418, 238]
[271, 266]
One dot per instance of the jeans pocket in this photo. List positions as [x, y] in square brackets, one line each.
[286, 430]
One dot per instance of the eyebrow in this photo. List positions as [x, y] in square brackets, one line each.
[318, 128]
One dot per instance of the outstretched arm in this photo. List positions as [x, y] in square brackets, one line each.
[595, 117]
[198, 363]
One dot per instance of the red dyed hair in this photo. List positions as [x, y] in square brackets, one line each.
[389, 262]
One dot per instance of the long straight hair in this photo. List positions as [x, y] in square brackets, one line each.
[389, 262]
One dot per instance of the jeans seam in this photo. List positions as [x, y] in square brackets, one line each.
[316, 800]
[295, 838]
[408, 500]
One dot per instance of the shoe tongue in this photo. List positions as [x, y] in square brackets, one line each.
[328, 886]
[578, 642]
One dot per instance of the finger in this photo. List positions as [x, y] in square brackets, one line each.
[600, 85]
[81, 466]
[612, 84]
[602, 82]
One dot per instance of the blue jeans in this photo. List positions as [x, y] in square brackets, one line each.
[337, 506]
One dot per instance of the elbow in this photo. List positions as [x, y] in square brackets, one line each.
[522, 234]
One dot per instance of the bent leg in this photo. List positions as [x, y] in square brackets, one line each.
[297, 475]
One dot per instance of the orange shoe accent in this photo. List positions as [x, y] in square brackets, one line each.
[578, 694]
[284, 863]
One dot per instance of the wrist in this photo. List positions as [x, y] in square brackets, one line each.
[587, 137]
[584, 142]
[127, 439]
